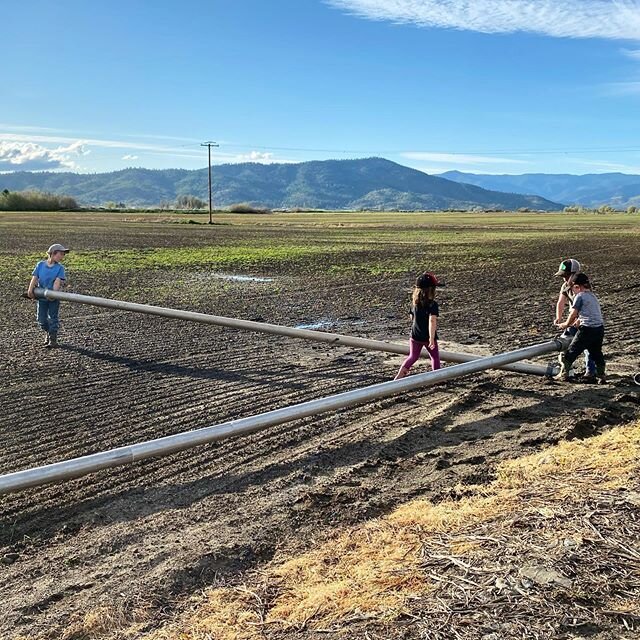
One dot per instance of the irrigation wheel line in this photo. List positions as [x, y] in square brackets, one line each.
[263, 327]
[84, 465]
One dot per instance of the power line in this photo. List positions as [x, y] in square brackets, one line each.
[494, 152]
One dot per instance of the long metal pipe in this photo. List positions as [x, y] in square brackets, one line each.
[263, 327]
[243, 426]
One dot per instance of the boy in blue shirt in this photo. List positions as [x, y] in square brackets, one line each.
[49, 274]
[587, 316]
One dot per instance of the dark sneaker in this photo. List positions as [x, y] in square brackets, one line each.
[590, 378]
[602, 379]
[53, 341]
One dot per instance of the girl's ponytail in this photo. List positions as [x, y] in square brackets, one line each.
[422, 296]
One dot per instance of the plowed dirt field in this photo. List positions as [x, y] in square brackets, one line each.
[150, 534]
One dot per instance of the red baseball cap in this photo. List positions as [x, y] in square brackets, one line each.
[427, 279]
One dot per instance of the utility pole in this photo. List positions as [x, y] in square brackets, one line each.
[209, 144]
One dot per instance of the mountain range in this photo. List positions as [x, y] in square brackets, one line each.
[370, 183]
[619, 190]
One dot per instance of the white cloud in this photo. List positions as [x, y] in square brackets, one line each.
[631, 88]
[101, 143]
[20, 127]
[10, 138]
[458, 158]
[611, 19]
[608, 167]
[29, 156]
[256, 156]
[634, 54]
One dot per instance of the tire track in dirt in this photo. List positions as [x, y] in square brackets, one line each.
[163, 411]
[168, 410]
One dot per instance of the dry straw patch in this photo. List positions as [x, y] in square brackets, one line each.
[121, 622]
[549, 547]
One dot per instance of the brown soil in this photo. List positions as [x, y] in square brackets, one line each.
[148, 535]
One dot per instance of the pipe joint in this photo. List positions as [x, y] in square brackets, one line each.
[563, 341]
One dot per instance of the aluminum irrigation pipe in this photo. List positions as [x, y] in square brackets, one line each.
[243, 426]
[263, 327]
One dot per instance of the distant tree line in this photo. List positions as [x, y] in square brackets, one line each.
[35, 201]
[184, 202]
[605, 208]
[193, 203]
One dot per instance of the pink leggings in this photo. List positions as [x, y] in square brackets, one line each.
[415, 349]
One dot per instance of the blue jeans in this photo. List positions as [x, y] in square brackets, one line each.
[47, 315]
[589, 362]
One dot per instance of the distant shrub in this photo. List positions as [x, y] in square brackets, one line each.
[245, 207]
[114, 205]
[189, 202]
[632, 209]
[35, 201]
[577, 208]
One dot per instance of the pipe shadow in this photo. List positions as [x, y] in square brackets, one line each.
[258, 376]
[423, 438]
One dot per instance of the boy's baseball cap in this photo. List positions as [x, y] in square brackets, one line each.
[581, 278]
[567, 267]
[57, 247]
[427, 279]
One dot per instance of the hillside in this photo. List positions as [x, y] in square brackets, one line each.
[620, 190]
[372, 183]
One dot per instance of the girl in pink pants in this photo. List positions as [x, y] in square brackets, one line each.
[425, 312]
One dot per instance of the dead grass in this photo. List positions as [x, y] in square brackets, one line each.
[123, 622]
[550, 546]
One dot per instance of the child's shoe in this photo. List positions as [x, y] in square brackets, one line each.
[46, 340]
[53, 340]
[402, 373]
[563, 374]
[589, 378]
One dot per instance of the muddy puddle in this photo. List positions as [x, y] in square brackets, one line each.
[327, 323]
[231, 277]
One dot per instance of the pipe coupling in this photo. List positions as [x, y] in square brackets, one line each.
[563, 340]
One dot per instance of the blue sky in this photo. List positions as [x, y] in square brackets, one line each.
[489, 86]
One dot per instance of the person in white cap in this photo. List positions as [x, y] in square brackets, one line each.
[49, 274]
[568, 270]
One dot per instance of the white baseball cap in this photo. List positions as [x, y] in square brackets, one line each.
[57, 247]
